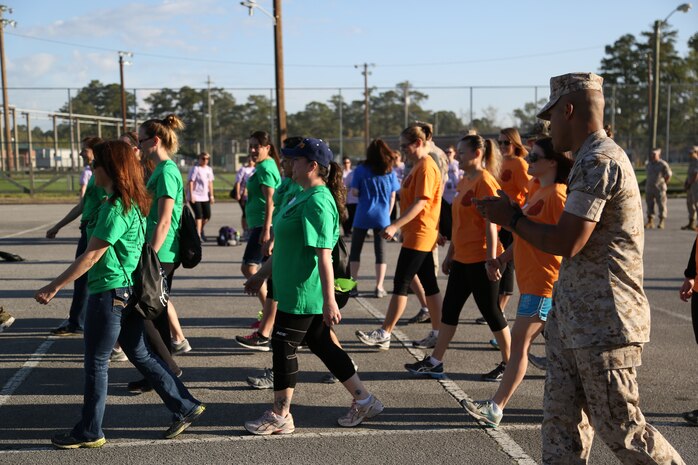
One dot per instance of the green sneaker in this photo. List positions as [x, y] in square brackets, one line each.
[67, 441]
[484, 411]
[180, 425]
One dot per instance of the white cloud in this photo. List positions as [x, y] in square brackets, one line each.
[36, 65]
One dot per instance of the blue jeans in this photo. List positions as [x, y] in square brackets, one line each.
[78, 307]
[108, 320]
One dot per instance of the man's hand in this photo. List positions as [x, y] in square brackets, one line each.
[498, 210]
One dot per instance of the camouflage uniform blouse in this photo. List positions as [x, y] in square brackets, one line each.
[599, 299]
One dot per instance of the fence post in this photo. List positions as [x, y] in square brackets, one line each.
[668, 119]
[16, 136]
[29, 155]
[341, 124]
[55, 142]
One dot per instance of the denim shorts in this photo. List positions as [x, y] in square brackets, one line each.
[534, 306]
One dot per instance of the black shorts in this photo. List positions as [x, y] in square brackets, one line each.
[412, 262]
[253, 251]
[202, 210]
[506, 284]
[446, 220]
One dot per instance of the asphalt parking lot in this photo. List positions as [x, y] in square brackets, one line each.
[41, 376]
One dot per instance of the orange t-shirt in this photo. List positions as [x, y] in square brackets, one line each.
[533, 186]
[514, 178]
[423, 182]
[536, 271]
[469, 227]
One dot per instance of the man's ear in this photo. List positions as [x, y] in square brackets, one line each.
[569, 110]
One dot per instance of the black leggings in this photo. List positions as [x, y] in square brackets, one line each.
[157, 331]
[412, 262]
[347, 225]
[694, 315]
[358, 236]
[506, 284]
[465, 279]
[289, 331]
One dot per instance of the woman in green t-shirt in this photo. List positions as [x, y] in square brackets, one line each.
[259, 207]
[116, 236]
[306, 230]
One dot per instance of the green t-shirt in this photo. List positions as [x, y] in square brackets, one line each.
[94, 195]
[308, 222]
[166, 181]
[266, 173]
[124, 231]
[287, 190]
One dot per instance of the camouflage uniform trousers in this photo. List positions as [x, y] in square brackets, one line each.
[692, 201]
[595, 389]
[658, 196]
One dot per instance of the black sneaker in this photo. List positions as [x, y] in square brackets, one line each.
[421, 317]
[425, 367]
[180, 425]
[495, 375]
[480, 321]
[67, 330]
[67, 441]
[139, 387]
[254, 341]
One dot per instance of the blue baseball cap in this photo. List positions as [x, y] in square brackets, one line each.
[312, 149]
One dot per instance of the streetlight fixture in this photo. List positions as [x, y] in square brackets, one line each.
[123, 63]
[5, 104]
[251, 5]
[684, 8]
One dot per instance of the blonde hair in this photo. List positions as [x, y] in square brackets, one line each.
[165, 130]
[513, 136]
[491, 158]
[418, 130]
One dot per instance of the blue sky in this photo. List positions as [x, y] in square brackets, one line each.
[430, 43]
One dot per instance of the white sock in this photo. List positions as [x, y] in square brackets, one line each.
[365, 401]
[435, 332]
[384, 333]
[434, 361]
[495, 407]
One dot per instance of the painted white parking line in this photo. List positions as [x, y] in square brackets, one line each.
[508, 445]
[11, 386]
[666, 311]
[21, 233]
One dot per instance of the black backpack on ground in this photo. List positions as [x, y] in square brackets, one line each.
[189, 240]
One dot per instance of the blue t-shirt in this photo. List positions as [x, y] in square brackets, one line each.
[373, 209]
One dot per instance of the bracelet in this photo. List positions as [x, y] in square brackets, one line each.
[518, 214]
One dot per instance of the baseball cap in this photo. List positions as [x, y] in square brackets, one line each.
[566, 84]
[312, 149]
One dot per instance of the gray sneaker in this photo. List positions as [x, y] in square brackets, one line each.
[425, 367]
[271, 423]
[266, 381]
[179, 348]
[483, 410]
[358, 413]
[428, 342]
[6, 319]
[422, 316]
[374, 338]
[118, 356]
[539, 362]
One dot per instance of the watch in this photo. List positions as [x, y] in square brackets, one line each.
[518, 214]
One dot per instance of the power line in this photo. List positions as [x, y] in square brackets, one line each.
[247, 63]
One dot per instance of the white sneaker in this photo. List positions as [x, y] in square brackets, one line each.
[179, 348]
[428, 342]
[271, 423]
[374, 338]
[358, 413]
[118, 356]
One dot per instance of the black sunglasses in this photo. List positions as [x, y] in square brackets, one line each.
[504, 142]
[534, 157]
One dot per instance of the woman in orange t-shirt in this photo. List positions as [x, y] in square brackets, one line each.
[537, 273]
[514, 180]
[420, 205]
[473, 242]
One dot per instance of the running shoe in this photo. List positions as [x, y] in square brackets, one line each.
[428, 342]
[375, 338]
[178, 426]
[480, 321]
[539, 362]
[329, 378]
[358, 413]
[422, 316]
[118, 356]
[68, 441]
[271, 423]
[179, 348]
[6, 319]
[380, 293]
[484, 411]
[68, 329]
[495, 375]
[140, 386]
[254, 341]
[494, 344]
[266, 381]
[691, 417]
[425, 367]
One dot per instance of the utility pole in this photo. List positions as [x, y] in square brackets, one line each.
[365, 73]
[5, 104]
[71, 124]
[406, 102]
[649, 104]
[122, 62]
[209, 117]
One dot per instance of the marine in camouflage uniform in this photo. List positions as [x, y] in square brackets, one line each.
[600, 317]
[658, 175]
[691, 186]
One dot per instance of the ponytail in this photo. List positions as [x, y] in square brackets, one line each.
[264, 139]
[165, 130]
[335, 183]
[491, 157]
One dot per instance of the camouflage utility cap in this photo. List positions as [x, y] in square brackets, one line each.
[568, 83]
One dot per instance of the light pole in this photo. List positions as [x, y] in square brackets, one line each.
[684, 8]
[365, 73]
[5, 104]
[123, 62]
[282, 133]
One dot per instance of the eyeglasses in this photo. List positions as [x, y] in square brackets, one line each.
[534, 157]
[505, 143]
[140, 142]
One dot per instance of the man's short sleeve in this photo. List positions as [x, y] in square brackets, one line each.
[320, 227]
[666, 172]
[592, 183]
